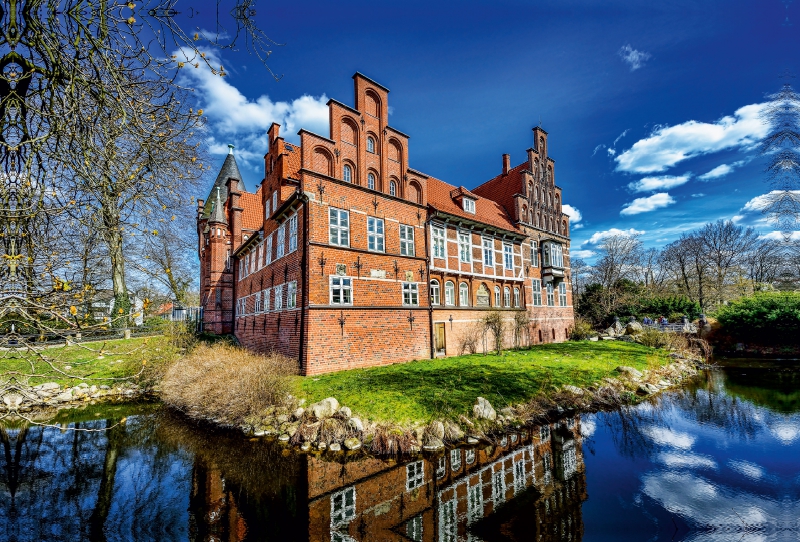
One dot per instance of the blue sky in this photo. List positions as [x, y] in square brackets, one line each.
[652, 107]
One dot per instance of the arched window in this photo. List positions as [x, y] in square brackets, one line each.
[463, 295]
[435, 300]
[516, 297]
[371, 181]
[347, 174]
[370, 144]
[497, 296]
[392, 188]
[449, 293]
[506, 296]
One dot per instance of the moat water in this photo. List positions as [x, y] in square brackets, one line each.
[718, 460]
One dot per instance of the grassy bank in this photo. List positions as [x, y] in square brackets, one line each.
[445, 388]
[102, 362]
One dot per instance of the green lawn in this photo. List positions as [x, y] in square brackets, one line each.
[444, 388]
[91, 362]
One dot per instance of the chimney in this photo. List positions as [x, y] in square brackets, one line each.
[506, 163]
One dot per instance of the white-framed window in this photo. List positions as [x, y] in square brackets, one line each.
[293, 233]
[415, 475]
[410, 293]
[474, 500]
[371, 181]
[465, 246]
[544, 433]
[257, 307]
[265, 300]
[498, 486]
[519, 476]
[268, 209]
[552, 254]
[375, 234]
[562, 294]
[551, 298]
[516, 297]
[506, 296]
[269, 250]
[449, 293]
[414, 528]
[536, 286]
[534, 254]
[438, 242]
[291, 295]
[281, 242]
[434, 286]
[392, 188]
[274, 201]
[497, 296]
[339, 227]
[279, 297]
[341, 291]
[347, 174]
[463, 295]
[343, 506]
[470, 456]
[406, 240]
[488, 252]
[508, 256]
[455, 459]
[258, 257]
[370, 144]
[441, 467]
[468, 204]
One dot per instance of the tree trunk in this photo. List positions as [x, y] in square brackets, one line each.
[113, 238]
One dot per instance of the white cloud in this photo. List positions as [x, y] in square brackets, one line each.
[778, 236]
[686, 460]
[635, 59]
[237, 119]
[668, 437]
[759, 203]
[645, 205]
[748, 469]
[663, 182]
[573, 213]
[669, 145]
[581, 253]
[597, 148]
[786, 431]
[577, 226]
[721, 170]
[620, 136]
[600, 235]
[698, 195]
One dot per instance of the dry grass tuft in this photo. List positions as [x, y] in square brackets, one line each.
[392, 440]
[227, 383]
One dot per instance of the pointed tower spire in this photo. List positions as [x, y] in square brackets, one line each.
[230, 148]
[217, 214]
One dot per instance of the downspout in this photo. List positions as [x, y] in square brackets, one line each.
[304, 313]
[428, 274]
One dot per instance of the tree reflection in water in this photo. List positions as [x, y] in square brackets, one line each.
[158, 477]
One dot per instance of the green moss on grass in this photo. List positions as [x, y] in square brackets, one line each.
[445, 388]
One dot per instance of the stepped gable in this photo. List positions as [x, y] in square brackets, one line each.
[503, 187]
[229, 170]
[292, 163]
[442, 197]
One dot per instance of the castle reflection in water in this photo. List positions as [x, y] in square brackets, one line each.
[528, 486]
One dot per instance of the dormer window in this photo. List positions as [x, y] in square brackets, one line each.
[469, 205]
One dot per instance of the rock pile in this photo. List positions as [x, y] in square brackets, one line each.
[52, 394]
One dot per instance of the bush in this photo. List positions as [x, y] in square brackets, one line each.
[582, 330]
[765, 318]
[654, 338]
[225, 382]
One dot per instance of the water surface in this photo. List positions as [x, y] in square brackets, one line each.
[719, 460]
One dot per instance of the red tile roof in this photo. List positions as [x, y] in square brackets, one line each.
[486, 211]
[253, 213]
[503, 187]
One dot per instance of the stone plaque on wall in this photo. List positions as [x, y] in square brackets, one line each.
[409, 276]
[341, 269]
[482, 296]
[377, 273]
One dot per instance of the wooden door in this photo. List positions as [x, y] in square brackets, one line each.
[439, 342]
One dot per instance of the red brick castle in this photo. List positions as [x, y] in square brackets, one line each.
[347, 257]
